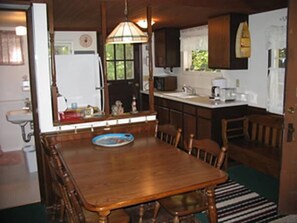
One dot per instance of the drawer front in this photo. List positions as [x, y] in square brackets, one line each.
[189, 109]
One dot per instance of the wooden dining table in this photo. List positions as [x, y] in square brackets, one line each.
[147, 169]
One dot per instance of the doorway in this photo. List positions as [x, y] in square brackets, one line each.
[15, 92]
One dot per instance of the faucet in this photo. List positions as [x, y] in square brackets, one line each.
[188, 89]
[28, 105]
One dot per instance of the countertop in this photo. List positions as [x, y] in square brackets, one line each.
[198, 100]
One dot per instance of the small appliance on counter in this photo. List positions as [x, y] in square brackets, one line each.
[165, 83]
[227, 94]
[217, 85]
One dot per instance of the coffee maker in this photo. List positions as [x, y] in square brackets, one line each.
[217, 85]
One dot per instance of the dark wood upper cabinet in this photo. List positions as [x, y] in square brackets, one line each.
[221, 42]
[167, 48]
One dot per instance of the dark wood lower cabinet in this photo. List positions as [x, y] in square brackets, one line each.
[201, 121]
[189, 121]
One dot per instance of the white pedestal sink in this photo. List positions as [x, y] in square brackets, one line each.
[19, 116]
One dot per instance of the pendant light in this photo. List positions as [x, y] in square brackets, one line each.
[126, 32]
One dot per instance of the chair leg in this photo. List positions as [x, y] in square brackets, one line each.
[62, 211]
[156, 211]
[141, 212]
[176, 219]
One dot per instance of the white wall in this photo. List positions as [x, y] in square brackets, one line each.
[254, 80]
[74, 37]
[11, 98]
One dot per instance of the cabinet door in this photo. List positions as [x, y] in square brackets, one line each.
[189, 121]
[176, 118]
[160, 48]
[219, 42]
[189, 126]
[204, 123]
[163, 115]
[222, 32]
[167, 47]
[144, 103]
[204, 128]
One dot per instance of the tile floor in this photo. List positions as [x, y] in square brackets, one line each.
[17, 185]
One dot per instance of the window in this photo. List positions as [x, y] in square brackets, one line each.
[194, 46]
[11, 52]
[277, 58]
[199, 60]
[276, 43]
[120, 62]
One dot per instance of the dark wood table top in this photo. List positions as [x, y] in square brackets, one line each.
[144, 170]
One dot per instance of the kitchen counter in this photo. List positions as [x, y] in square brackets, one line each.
[198, 100]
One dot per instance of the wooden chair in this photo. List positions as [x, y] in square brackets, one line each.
[187, 204]
[169, 134]
[58, 206]
[74, 211]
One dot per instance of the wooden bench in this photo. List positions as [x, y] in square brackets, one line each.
[255, 141]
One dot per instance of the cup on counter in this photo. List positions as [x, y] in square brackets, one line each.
[74, 105]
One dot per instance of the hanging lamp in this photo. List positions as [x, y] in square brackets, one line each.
[126, 32]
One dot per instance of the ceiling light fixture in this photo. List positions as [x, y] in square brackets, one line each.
[143, 23]
[126, 32]
[20, 30]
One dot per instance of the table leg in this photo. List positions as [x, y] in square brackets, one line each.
[212, 210]
[103, 216]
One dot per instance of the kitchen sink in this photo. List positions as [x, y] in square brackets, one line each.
[181, 95]
[19, 116]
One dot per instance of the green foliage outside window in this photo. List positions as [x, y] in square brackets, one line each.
[120, 61]
[200, 60]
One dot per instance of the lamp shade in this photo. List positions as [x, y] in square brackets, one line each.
[126, 32]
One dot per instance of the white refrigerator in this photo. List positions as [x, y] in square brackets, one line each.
[80, 80]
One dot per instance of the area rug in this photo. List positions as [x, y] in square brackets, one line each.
[235, 203]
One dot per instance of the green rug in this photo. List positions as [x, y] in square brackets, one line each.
[32, 213]
[263, 184]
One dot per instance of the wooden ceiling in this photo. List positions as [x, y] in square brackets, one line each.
[84, 15]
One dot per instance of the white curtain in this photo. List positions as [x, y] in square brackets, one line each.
[10, 48]
[276, 37]
[194, 39]
[275, 40]
[275, 90]
[194, 43]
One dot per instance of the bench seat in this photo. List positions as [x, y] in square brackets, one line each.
[255, 141]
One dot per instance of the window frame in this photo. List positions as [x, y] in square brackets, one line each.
[114, 62]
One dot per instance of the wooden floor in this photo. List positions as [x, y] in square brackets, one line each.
[17, 185]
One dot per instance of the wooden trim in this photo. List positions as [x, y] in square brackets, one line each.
[104, 31]
[151, 79]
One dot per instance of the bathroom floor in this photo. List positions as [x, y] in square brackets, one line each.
[17, 185]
